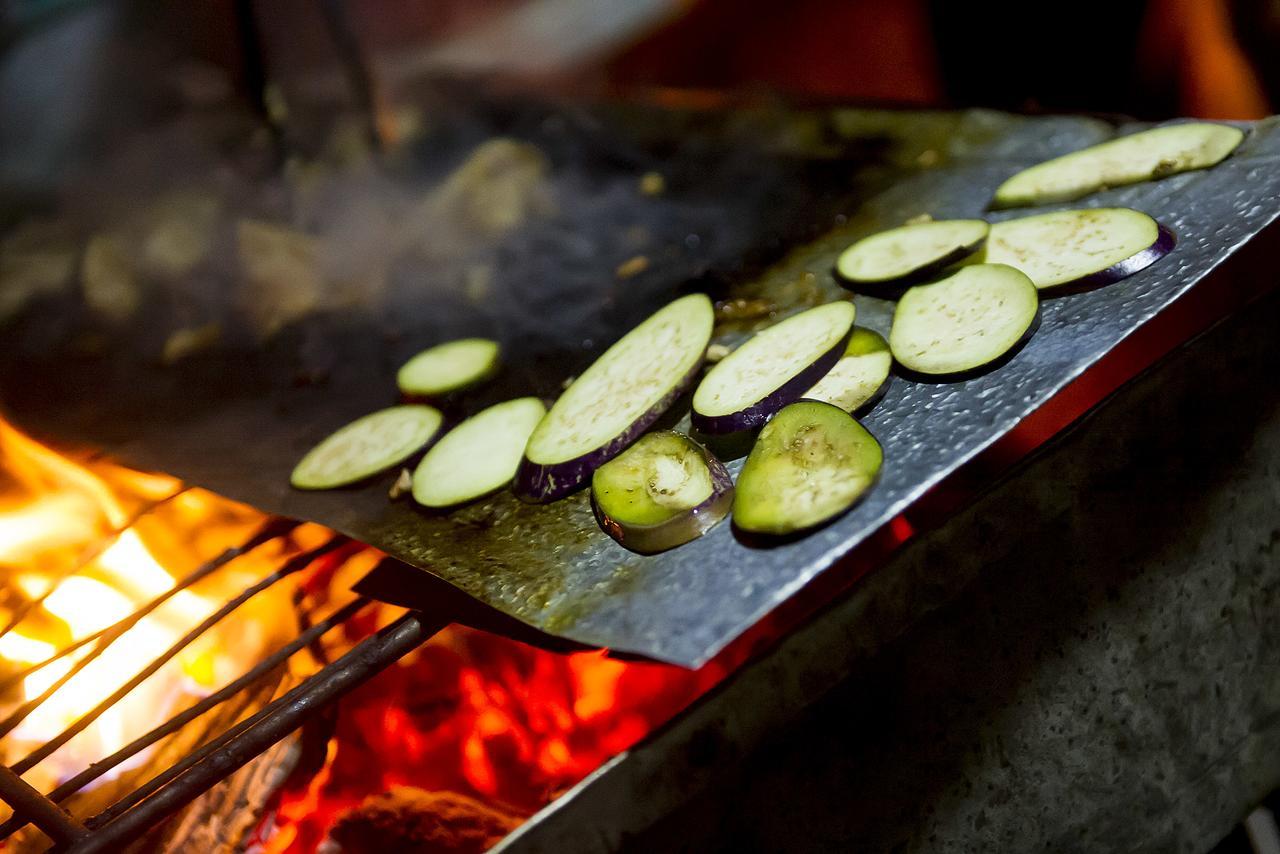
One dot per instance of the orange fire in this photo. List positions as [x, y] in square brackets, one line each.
[469, 717]
[483, 716]
[82, 546]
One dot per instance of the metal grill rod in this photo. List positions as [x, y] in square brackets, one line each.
[295, 564]
[238, 746]
[102, 766]
[267, 532]
[49, 817]
[88, 556]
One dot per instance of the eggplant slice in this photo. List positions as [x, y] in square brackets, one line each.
[616, 399]
[965, 322]
[810, 464]
[478, 456]
[909, 253]
[1068, 251]
[1143, 156]
[772, 369]
[861, 376]
[449, 367]
[367, 446]
[663, 491]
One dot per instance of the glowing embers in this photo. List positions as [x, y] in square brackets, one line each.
[480, 731]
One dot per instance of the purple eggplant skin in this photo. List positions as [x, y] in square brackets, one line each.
[762, 410]
[689, 525]
[538, 483]
[1165, 242]
[894, 288]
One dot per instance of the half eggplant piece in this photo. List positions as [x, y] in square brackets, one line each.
[663, 491]
[810, 464]
[968, 322]
[478, 456]
[449, 367]
[1143, 156]
[861, 376]
[771, 369]
[616, 399]
[367, 446]
[908, 254]
[1071, 251]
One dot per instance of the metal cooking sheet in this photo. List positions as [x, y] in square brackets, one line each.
[550, 566]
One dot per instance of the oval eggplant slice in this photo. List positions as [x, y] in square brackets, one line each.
[811, 462]
[1078, 250]
[967, 321]
[663, 491]
[616, 399]
[366, 446]
[1143, 156]
[910, 253]
[772, 369]
[861, 376]
[479, 455]
[448, 367]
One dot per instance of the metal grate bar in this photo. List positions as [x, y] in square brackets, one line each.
[295, 564]
[114, 827]
[102, 766]
[88, 556]
[49, 817]
[267, 532]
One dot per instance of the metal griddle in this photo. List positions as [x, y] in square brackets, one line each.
[237, 420]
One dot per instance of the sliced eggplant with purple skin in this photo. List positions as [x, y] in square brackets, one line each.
[810, 464]
[367, 446]
[478, 456]
[861, 376]
[616, 399]
[909, 253]
[967, 322]
[663, 491]
[771, 369]
[1144, 156]
[449, 367]
[1071, 251]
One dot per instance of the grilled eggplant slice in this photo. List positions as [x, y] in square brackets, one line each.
[861, 376]
[449, 367]
[1077, 250]
[1143, 156]
[663, 491]
[616, 399]
[909, 253]
[478, 456]
[772, 369]
[968, 321]
[367, 446]
[811, 462]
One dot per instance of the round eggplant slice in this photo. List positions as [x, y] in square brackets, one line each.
[1144, 156]
[1080, 249]
[967, 321]
[367, 446]
[449, 367]
[860, 377]
[910, 253]
[478, 456]
[811, 462]
[663, 491]
[772, 369]
[616, 399]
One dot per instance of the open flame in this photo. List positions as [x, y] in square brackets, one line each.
[77, 555]
[476, 730]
